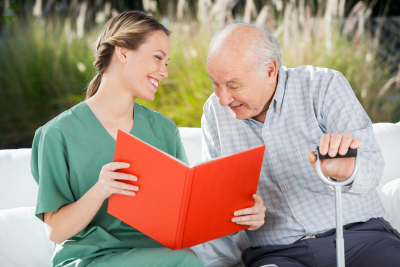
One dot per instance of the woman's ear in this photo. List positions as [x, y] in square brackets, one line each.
[120, 52]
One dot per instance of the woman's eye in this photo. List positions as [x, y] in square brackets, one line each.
[158, 57]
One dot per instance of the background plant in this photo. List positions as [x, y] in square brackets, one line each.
[46, 64]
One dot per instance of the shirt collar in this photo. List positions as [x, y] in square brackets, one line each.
[280, 89]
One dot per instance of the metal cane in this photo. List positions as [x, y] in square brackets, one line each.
[338, 193]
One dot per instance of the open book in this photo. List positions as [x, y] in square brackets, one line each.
[181, 206]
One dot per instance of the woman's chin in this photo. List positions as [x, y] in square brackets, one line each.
[148, 97]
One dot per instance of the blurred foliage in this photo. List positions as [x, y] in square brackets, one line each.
[46, 64]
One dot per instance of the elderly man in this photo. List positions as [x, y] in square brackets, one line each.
[292, 111]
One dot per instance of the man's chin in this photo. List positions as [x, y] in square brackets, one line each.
[240, 115]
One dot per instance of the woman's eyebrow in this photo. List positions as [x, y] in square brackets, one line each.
[163, 53]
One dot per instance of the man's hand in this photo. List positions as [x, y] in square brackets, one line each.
[253, 216]
[339, 169]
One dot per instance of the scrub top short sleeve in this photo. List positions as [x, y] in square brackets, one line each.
[50, 170]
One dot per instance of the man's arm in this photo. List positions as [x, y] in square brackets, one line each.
[346, 124]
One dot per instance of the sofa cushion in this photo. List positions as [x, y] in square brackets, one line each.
[390, 196]
[17, 186]
[23, 239]
[388, 137]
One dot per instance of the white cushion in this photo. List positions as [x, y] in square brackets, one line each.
[191, 139]
[23, 239]
[388, 137]
[17, 186]
[390, 195]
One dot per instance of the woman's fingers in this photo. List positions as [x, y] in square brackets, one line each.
[110, 180]
[113, 166]
[123, 176]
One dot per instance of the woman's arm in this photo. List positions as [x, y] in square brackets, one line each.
[71, 219]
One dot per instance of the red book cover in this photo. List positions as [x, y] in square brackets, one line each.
[181, 206]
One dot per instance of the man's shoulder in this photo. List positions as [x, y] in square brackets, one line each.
[211, 101]
[310, 72]
[212, 104]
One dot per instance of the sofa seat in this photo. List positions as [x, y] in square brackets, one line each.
[23, 241]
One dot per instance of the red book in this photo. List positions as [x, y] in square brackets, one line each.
[181, 206]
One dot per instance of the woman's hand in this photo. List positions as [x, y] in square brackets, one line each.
[108, 183]
[253, 216]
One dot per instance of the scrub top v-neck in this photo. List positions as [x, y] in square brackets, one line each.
[67, 156]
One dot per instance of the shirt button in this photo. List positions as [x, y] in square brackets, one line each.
[275, 157]
[267, 129]
[300, 214]
[279, 110]
[287, 187]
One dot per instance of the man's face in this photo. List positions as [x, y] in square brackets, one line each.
[238, 85]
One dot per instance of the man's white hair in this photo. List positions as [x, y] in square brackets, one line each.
[266, 48]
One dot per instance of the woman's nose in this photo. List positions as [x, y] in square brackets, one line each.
[163, 71]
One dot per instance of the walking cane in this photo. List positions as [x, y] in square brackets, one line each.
[338, 193]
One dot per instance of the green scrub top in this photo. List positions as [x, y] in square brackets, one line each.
[67, 155]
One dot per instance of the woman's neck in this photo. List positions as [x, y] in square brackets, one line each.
[112, 102]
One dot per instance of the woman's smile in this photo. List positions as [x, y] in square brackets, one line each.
[153, 81]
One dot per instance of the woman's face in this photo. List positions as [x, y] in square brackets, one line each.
[147, 65]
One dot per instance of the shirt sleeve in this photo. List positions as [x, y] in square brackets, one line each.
[342, 113]
[49, 167]
[209, 133]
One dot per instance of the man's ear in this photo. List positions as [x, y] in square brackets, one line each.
[272, 71]
[120, 52]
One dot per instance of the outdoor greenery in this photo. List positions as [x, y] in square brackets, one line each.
[46, 65]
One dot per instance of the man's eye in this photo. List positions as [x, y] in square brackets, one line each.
[158, 57]
[234, 87]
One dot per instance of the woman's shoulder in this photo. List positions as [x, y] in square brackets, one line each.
[158, 119]
[57, 126]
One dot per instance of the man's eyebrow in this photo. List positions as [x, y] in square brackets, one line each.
[234, 80]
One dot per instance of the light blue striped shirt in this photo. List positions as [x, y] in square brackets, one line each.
[308, 103]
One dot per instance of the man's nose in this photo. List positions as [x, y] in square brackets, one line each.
[225, 97]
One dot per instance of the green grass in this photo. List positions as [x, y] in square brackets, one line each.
[41, 74]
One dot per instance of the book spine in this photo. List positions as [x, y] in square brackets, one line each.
[184, 208]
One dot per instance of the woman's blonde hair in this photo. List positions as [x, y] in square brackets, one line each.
[128, 30]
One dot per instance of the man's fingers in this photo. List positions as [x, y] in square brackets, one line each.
[356, 143]
[253, 224]
[344, 145]
[334, 144]
[249, 211]
[258, 200]
[248, 218]
[324, 144]
[312, 158]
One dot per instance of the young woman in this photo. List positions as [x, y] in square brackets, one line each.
[72, 155]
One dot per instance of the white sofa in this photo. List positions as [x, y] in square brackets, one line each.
[23, 240]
